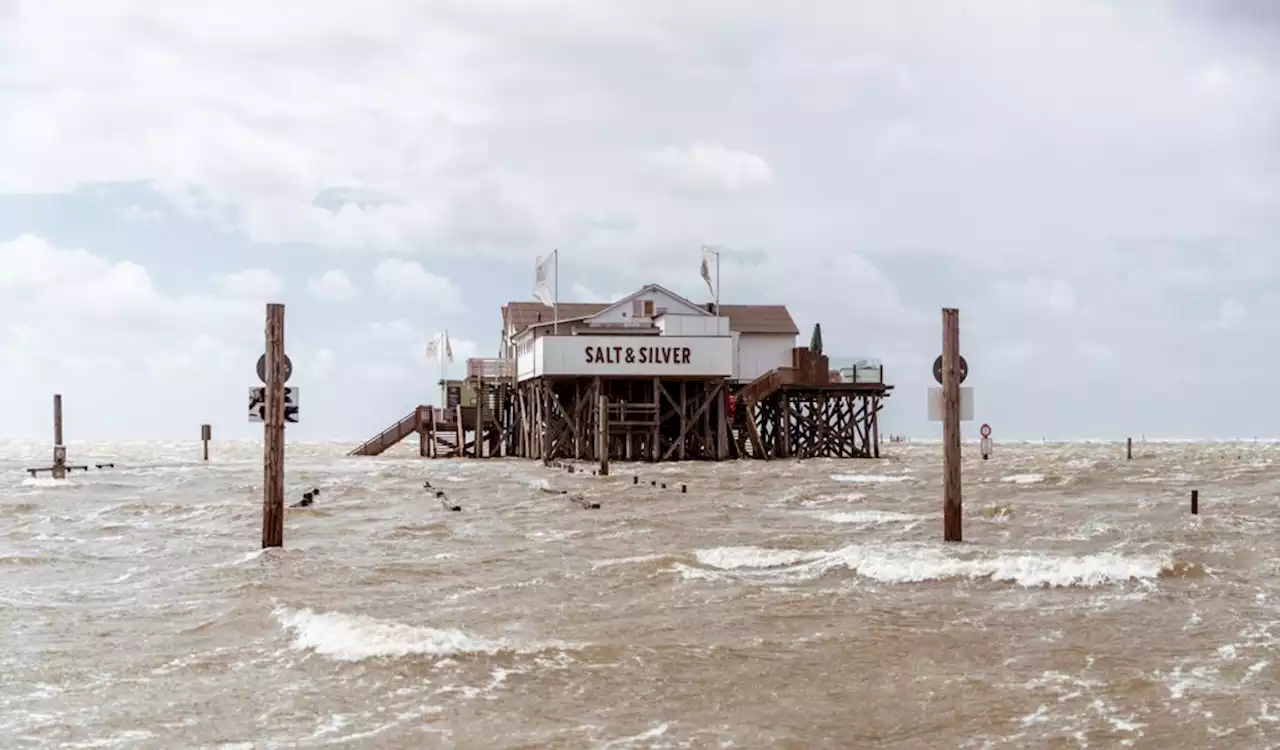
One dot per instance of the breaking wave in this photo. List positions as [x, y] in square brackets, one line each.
[911, 563]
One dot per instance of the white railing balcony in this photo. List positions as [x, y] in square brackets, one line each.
[491, 369]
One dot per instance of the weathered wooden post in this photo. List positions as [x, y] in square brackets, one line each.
[1195, 502]
[59, 470]
[460, 430]
[273, 431]
[433, 446]
[602, 435]
[1129, 449]
[951, 510]
[420, 427]
[206, 434]
[479, 414]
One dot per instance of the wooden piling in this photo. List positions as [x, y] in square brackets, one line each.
[59, 470]
[206, 434]
[459, 431]
[479, 417]
[951, 501]
[273, 432]
[602, 436]
[1129, 449]
[1195, 502]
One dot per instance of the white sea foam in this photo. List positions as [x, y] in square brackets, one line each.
[357, 637]
[46, 482]
[868, 517]
[732, 558]
[640, 559]
[1023, 478]
[913, 563]
[870, 478]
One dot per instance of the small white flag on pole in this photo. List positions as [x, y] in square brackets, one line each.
[448, 348]
[541, 284]
[705, 270]
[433, 348]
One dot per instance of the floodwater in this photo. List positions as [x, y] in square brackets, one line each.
[784, 604]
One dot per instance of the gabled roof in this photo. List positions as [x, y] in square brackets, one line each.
[654, 288]
[749, 319]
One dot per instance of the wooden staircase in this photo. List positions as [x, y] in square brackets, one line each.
[807, 368]
[378, 444]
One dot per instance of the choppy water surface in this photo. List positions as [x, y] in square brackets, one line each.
[785, 604]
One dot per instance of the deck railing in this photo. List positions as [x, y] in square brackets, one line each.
[491, 369]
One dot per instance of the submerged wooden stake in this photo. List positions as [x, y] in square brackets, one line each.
[1128, 449]
[206, 434]
[1195, 502]
[273, 432]
[951, 501]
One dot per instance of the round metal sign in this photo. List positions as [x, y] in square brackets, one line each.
[262, 368]
[937, 369]
[986, 430]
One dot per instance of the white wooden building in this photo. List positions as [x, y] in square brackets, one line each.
[665, 333]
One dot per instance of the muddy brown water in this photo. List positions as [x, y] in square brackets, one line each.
[784, 604]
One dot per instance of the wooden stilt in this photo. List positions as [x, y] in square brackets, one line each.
[206, 434]
[603, 427]
[479, 416]
[460, 432]
[420, 427]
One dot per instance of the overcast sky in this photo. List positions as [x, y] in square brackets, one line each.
[1096, 185]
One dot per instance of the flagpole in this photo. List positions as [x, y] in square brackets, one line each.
[717, 252]
[555, 309]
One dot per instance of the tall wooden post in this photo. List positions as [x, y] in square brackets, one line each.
[479, 416]
[951, 516]
[602, 436]
[420, 427]
[460, 431]
[433, 446]
[206, 434]
[59, 470]
[1128, 449]
[273, 432]
[1195, 502]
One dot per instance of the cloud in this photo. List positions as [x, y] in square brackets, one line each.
[333, 285]
[254, 283]
[711, 165]
[408, 281]
[1065, 172]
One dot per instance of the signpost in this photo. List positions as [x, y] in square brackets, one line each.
[273, 371]
[258, 404]
[952, 371]
[262, 368]
[937, 369]
[59, 470]
[986, 441]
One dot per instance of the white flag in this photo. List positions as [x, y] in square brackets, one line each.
[433, 348]
[541, 284]
[448, 348]
[707, 255]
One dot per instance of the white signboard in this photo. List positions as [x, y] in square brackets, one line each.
[693, 356]
[258, 403]
[966, 404]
